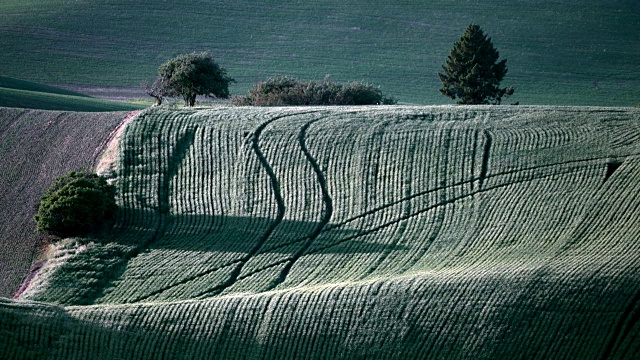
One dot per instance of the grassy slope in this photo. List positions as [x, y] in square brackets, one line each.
[466, 232]
[35, 147]
[26, 94]
[559, 52]
[10, 83]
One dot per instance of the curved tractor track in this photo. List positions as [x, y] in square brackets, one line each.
[374, 232]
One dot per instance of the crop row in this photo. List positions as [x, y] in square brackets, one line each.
[237, 200]
[446, 314]
[399, 232]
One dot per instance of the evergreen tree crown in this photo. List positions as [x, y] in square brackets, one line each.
[472, 73]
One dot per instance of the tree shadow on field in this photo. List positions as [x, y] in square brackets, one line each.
[221, 241]
[235, 234]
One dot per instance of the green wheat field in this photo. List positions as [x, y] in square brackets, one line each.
[559, 52]
[420, 231]
[353, 232]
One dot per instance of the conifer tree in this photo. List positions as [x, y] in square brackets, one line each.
[471, 73]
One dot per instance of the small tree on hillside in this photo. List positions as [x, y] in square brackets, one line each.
[190, 75]
[76, 204]
[472, 73]
[157, 90]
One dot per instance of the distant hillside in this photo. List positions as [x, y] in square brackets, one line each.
[559, 52]
[35, 147]
[373, 232]
[25, 94]
[16, 84]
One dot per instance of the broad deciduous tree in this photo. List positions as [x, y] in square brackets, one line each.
[190, 75]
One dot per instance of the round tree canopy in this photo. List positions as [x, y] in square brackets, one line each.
[76, 204]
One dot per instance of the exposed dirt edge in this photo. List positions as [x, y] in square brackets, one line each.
[104, 158]
[33, 271]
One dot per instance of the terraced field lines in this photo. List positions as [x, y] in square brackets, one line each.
[381, 242]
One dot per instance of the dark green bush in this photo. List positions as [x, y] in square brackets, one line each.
[76, 204]
[285, 90]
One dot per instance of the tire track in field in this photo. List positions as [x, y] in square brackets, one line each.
[330, 227]
[439, 204]
[174, 157]
[327, 211]
[472, 180]
[486, 152]
[275, 185]
[416, 213]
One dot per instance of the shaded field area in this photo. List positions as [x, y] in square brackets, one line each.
[35, 147]
[559, 52]
[370, 232]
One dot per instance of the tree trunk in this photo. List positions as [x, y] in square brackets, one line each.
[189, 100]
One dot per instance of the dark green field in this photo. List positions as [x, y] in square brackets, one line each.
[25, 94]
[35, 147]
[559, 52]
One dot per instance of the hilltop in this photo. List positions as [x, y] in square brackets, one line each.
[337, 232]
[559, 52]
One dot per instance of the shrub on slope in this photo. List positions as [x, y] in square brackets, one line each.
[76, 204]
[35, 147]
[284, 90]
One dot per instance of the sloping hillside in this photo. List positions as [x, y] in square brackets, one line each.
[400, 232]
[35, 147]
[17, 84]
[559, 52]
[29, 95]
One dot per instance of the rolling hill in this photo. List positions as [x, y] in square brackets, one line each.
[371, 232]
[26, 94]
[17, 84]
[559, 52]
[35, 147]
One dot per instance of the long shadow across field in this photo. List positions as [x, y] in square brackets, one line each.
[209, 233]
[232, 238]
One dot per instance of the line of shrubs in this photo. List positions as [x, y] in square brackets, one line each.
[285, 90]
